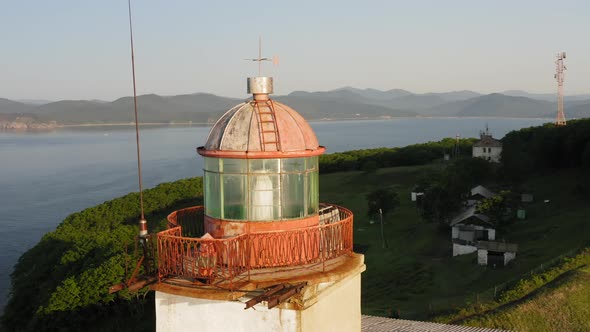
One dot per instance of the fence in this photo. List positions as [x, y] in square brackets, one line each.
[449, 305]
[208, 259]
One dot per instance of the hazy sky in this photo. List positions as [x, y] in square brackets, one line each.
[80, 49]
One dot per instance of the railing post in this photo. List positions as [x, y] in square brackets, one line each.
[248, 253]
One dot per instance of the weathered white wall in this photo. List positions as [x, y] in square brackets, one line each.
[478, 153]
[179, 313]
[491, 234]
[460, 249]
[338, 308]
[508, 256]
[493, 155]
[454, 232]
[482, 257]
[469, 235]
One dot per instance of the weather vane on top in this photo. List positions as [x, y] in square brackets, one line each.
[275, 59]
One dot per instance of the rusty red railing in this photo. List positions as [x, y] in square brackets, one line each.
[190, 219]
[208, 259]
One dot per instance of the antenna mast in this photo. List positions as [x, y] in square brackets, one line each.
[142, 222]
[559, 76]
[260, 58]
[134, 282]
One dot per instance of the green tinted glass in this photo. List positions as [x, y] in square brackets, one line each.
[212, 197]
[211, 164]
[264, 165]
[292, 165]
[234, 165]
[235, 195]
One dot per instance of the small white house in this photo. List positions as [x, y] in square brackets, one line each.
[496, 254]
[468, 228]
[487, 147]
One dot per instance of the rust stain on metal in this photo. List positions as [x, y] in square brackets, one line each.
[264, 296]
[259, 154]
[284, 295]
[220, 228]
[276, 295]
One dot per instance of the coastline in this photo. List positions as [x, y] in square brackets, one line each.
[55, 126]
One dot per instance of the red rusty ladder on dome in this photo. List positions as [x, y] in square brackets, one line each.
[268, 119]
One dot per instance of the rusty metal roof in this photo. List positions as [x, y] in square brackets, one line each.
[261, 126]
[383, 324]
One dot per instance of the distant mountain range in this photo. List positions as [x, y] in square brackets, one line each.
[343, 103]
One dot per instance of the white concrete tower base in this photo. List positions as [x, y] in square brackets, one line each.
[327, 306]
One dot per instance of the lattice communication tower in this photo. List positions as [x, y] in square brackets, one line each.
[559, 75]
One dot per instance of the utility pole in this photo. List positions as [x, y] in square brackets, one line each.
[383, 242]
[456, 147]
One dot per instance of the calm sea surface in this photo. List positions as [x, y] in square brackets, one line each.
[46, 176]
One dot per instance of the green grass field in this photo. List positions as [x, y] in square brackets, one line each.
[563, 305]
[416, 273]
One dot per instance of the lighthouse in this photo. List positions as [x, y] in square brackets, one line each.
[262, 253]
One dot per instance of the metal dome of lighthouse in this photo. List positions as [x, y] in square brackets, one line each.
[261, 128]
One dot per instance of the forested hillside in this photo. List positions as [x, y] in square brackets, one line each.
[62, 282]
[534, 150]
[343, 103]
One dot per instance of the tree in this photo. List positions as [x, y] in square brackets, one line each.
[439, 204]
[465, 173]
[385, 199]
[444, 191]
[497, 207]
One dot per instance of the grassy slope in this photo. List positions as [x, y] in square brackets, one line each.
[416, 274]
[561, 306]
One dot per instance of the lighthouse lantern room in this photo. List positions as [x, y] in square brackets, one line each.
[262, 241]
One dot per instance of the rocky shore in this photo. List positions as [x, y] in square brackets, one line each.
[8, 122]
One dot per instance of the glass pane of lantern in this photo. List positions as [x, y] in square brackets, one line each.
[312, 163]
[211, 164]
[264, 165]
[235, 197]
[212, 195]
[313, 194]
[264, 197]
[234, 165]
[291, 165]
[292, 189]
